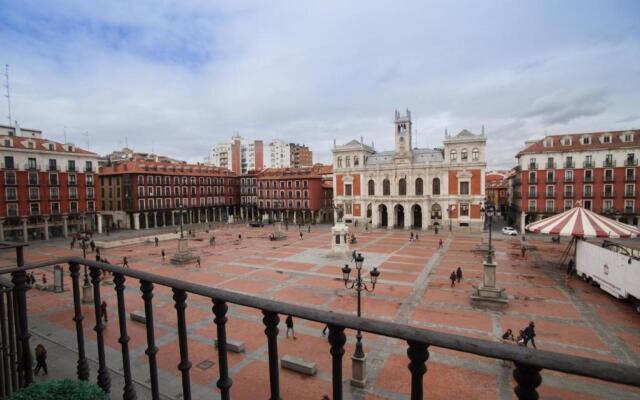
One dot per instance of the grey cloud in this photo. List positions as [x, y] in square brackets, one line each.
[563, 107]
[630, 118]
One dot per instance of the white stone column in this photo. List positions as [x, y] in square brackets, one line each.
[173, 218]
[1, 229]
[294, 217]
[25, 231]
[425, 217]
[136, 221]
[46, 228]
[374, 215]
[65, 226]
[99, 222]
[407, 216]
[155, 219]
[523, 216]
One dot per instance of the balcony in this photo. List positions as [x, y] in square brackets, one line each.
[608, 178]
[90, 196]
[34, 213]
[55, 212]
[630, 178]
[73, 183]
[71, 168]
[569, 164]
[589, 164]
[530, 366]
[532, 194]
[32, 182]
[629, 193]
[531, 180]
[550, 195]
[88, 169]
[54, 183]
[569, 178]
[631, 162]
[8, 167]
[629, 210]
[551, 210]
[587, 195]
[609, 163]
[73, 196]
[550, 179]
[34, 197]
[568, 195]
[588, 178]
[550, 165]
[608, 193]
[533, 166]
[31, 167]
[10, 198]
[54, 197]
[53, 168]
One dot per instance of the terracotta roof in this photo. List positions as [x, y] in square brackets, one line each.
[164, 168]
[39, 144]
[576, 144]
[315, 171]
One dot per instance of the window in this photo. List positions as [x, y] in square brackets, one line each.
[475, 154]
[586, 204]
[53, 165]
[608, 190]
[435, 186]
[8, 162]
[568, 175]
[607, 205]
[55, 208]
[90, 193]
[402, 187]
[89, 179]
[90, 206]
[550, 191]
[347, 161]
[550, 177]
[386, 187]
[140, 180]
[11, 194]
[355, 161]
[88, 166]
[73, 179]
[140, 191]
[31, 163]
[608, 175]
[606, 139]
[532, 177]
[566, 141]
[73, 192]
[53, 179]
[71, 165]
[347, 190]
[550, 163]
[533, 191]
[628, 206]
[33, 179]
[140, 204]
[419, 187]
[453, 155]
[587, 191]
[464, 210]
[464, 155]
[568, 191]
[12, 210]
[339, 162]
[550, 205]
[34, 208]
[629, 189]
[464, 188]
[586, 140]
[372, 187]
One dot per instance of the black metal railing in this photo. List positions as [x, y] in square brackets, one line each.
[528, 362]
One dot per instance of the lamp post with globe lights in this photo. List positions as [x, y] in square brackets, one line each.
[359, 371]
[488, 292]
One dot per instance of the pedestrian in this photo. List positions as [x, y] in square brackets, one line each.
[530, 334]
[98, 251]
[103, 311]
[440, 243]
[570, 267]
[411, 237]
[300, 235]
[212, 240]
[508, 335]
[162, 254]
[523, 238]
[459, 274]
[73, 243]
[239, 236]
[198, 262]
[353, 256]
[44, 280]
[41, 360]
[416, 239]
[453, 278]
[289, 323]
[309, 229]
[436, 229]
[155, 239]
[523, 250]
[125, 262]
[97, 257]
[92, 244]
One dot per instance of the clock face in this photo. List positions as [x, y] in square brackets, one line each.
[401, 139]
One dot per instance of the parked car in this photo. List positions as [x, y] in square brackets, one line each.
[256, 224]
[507, 230]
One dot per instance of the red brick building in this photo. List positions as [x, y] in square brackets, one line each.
[597, 169]
[49, 188]
[295, 195]
[496, 189]
[142, 195]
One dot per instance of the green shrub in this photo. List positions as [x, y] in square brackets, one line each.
[66, 389]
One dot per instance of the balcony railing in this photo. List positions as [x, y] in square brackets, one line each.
[630, 178]
[629, 193]
[32, 167]
[533, 166]
[588, 178]
[551, 194]
[73, 183]
[630, 162]
[71, 168]
[10, 198]
[609, 193]
[34, 213]
[589, 164]
[608, 178]
[551, 179]
[550, 165]
[569, 164]
[629, 210]
[528, 363]
[33, 182]
[550, 209]
[34, 197]
[587, 195]
[568, 178]
[53, 168]
[73, 196]
[568, 195]
[609, 163]
[88, 169]
[532, 194]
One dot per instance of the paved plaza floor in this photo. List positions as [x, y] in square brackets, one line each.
[414, 288]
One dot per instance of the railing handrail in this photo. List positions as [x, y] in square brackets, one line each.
[618, 373]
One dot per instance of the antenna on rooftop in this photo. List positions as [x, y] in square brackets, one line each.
[8, 94]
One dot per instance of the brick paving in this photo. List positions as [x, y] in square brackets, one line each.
[414, 288]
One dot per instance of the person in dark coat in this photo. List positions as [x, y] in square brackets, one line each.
[103, 311]
[459, 274]
[453, 278]
[162, 254]
[155, 239]
[125, 262]
[440, 243]
[530, 334]
[41, 360]
[289, 323]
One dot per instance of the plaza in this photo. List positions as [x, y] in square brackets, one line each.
[413, 288]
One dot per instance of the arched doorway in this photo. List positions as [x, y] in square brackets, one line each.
[369, 212]
[399, 213]
[416, 211]
[382, 216]
[436, 213]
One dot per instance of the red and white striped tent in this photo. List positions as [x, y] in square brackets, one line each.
[579, 222]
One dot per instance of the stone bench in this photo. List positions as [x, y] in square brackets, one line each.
[138, 316]
[298, 365]
[234, 346]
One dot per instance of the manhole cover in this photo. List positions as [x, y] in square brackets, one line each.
[206, 364]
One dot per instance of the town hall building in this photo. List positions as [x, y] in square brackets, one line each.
[412, 188]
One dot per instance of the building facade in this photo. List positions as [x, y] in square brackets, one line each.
[301, 156]
[596, 170]
[49, 187]
[140, 194]
[410, 187]
[497, 190]
[295, 195]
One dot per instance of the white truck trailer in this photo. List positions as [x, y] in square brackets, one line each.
[611, 266]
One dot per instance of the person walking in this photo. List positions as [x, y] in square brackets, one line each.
[570, 267]
[92, 244]
[289, 323]
[309, 229]
[436, 229]
[508, 335]
[98, 257]
[98, 251]
[440, 243]
[453, 278]
[198, 262]
[162, 254]
[530, 334]
[239, 236]
[411, 237]
[301, 235]
[125, 262]
[41, 360]
[155, 239]
[72, 244]
[212, 240]
[353, 256]
[523, 250]
[103, 311]
[416, 237]
[459, 274]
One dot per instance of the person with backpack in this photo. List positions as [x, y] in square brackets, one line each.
[41, 360]
[530, 334]
[453, 278]
[459, 274]
[289, 323]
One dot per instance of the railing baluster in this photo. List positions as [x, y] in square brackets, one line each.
[528, 379]
[224, 382]
[271, 321]
[12, 340]
[6, 377]
[180, 297]
[147, 295]
[17, 344]
[337, 339]
[19, 280]
[418, 354]
[83, 365]
[129, 392]
[104, 381]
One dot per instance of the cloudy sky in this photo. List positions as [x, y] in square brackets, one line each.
[180, 76]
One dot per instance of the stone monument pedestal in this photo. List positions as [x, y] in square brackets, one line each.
[183, 256]
[487, 292]
[358, 371]
[339, 238]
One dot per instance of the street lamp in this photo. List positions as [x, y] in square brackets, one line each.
[86, 285]
[181, 208]
[450, 209]
[489, 213]
[359, 374]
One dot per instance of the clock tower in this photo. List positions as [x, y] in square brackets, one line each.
[403, 134]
